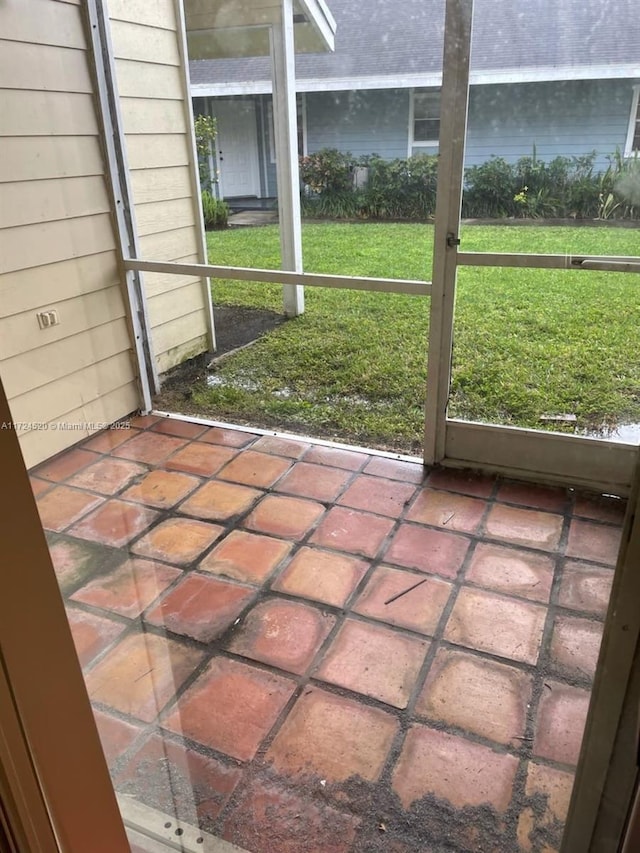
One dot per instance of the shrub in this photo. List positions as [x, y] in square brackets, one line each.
[490, 189]
[205, 131]
[215, 211]
[406, 188]
[327, 171]
[401, 189]
[620, 189]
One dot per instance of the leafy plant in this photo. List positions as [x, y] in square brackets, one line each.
[205, 130]
[490, 189]
[215, 211]
[327, 171]
[565, 187]
[620, 188]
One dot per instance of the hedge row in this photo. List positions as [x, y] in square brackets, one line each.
[339, 186]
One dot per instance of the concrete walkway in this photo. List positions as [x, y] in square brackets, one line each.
[253, 217]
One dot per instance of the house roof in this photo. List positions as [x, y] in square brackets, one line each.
[398, 43]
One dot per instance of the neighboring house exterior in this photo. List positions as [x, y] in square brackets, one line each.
[560, 75]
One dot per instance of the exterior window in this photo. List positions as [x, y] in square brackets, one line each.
[426, 117]
[633, 138]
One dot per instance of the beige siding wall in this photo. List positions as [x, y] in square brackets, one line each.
[57, 242]
[159, 149]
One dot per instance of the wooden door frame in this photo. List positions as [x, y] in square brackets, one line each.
[51, 755]
[606, 781]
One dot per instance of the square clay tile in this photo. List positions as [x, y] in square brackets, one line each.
[270, 816]
[448, 510]
[141, 674]
[404, 599]
[39, 487]
[476, 694]
[461, 481]
[575, 646]
[61, 506]
[591, 541]
[453, 769]
[375, 494]
[255, 469]
[150, 447]
[282, 633]
[374, 661]
[356, 532]
[116, 736]
[585, 587]
[496, 624]
[333, 738]
[281, 446]
[65, 465]
[228, 437]
[290, 518]
[200, 607]
[231, 707]
[178, 781]
[161, 489]
[76, 561]
[350, 460]
[560, 722]
[107, 476]
[199, 458]
[318, 482]
[114, 523]
[129, 589]
[181, 429]
[600, 508]
[91, 634]
[109, 439]
[178, 540]
[548, 498]
[432, 551]
[525, 527]
[143, 421]
[552, 788]
[246, 556]
[322, 576]
[396, 469]
[512, 571]
[217, 501]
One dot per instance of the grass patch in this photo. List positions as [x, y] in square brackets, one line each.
[527, 342]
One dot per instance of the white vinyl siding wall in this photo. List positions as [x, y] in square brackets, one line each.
[154, 113]
[57, 241]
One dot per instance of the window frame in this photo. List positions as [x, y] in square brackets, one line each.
[422, 143]
[634, 124]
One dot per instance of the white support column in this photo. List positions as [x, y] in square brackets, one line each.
[286, 140]
[453, 124]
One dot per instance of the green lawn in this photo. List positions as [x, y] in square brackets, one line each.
[527, 343]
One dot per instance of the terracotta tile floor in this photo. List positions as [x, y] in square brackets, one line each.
[312, 649]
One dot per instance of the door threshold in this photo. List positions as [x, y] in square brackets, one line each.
[154, 831]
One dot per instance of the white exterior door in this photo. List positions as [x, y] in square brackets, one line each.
[237, 148]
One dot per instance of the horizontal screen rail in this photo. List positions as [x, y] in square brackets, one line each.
[383, 285]
[558, 262]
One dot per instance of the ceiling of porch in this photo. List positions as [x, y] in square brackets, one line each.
[218, 29]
